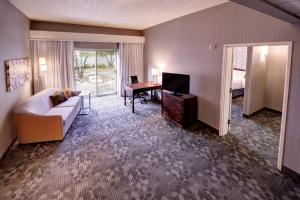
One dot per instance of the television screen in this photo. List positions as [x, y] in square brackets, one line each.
[177, 83]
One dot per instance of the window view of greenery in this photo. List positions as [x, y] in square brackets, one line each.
[100, 80]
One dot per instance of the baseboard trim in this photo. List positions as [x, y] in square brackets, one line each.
[8, 149]
[274, 111]
[294, 175]
[207, 126]
[261, 110]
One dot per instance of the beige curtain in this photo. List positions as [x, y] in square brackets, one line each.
[130, 62]
[59, 61]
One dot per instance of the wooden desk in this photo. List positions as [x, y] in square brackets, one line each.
[136, 88]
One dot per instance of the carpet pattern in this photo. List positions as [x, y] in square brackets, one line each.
[260, 133]
[114, 154]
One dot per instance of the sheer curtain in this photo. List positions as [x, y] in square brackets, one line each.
[59, 62]
[130, 62]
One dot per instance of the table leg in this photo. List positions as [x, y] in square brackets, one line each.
[125, 97]
[161, 99]
[133, 101]
[151, 95]
[89, 100]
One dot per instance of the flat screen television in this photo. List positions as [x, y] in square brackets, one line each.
[177, 83]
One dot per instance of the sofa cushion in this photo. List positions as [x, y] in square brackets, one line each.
[38, 104]
[64, 112]
[71, 102]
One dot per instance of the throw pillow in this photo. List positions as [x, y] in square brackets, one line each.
[68, 92]
[57, 98]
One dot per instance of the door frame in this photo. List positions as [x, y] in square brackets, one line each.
[225, 93]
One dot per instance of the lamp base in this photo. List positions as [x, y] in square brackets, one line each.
[42, 83]
[154, 79]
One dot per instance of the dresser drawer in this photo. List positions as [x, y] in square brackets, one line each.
[173, 104]
[180, 109]
[172, 114]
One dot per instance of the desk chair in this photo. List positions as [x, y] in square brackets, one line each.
[141, 96]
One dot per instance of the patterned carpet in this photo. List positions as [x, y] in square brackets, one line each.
[114, 154]
[260, 133]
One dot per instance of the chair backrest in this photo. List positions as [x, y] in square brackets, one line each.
[134, 79]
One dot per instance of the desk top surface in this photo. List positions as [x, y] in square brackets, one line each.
[136, 86]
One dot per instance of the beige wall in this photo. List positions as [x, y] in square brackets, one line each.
[182, 46]
[14, 43]
[256, 81]
[275, 76]
[265, 79]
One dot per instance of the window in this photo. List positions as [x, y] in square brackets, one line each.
[95, 71]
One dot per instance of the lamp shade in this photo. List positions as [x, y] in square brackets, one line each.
[155, 72]
[42, 61]
[43, 65]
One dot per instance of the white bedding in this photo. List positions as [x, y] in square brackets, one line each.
[238, 79]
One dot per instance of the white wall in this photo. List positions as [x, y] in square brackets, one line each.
[275, 76]
[265, 78]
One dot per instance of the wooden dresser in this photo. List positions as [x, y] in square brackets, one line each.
[180, 109]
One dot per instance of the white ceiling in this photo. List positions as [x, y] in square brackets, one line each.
[134, 14]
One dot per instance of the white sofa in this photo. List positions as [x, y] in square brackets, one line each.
[38, 121]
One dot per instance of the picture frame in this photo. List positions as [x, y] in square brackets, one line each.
[18, 73]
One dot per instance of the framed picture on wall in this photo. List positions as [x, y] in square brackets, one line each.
[18, 72]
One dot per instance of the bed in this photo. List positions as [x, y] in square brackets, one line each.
[238, 82]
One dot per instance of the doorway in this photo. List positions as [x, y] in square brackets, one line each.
[95, 71]
[242, 92]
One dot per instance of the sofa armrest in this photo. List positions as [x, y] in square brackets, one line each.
[38, 128]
